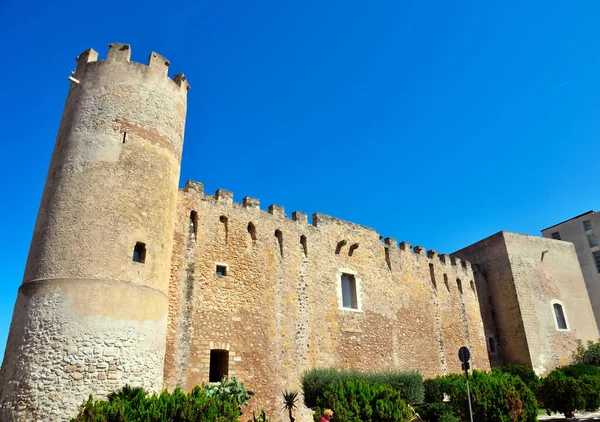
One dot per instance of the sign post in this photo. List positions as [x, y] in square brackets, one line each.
[464, 355]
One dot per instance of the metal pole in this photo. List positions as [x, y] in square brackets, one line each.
[468, 392]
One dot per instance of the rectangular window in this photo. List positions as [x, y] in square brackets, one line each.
[221, 270]
[587, 225]
[556, 235]
[492, 344]
[597, 259]
[219, 365]
[349, 298]
[592, 240]
[561, 321]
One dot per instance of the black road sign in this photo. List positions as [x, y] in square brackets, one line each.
[463, 354]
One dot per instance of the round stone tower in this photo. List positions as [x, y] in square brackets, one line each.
[91, 314]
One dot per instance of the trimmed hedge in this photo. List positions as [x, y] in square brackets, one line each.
[358, 400]
[576, 371]
[527, 374]
[496, 397]
[409, 384]
[563, 394]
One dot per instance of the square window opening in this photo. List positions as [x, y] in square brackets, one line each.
[593, 240]
[221, 271]
[219, 365]
[139, 252]
[556, 235]
[349, 296]
[587, 225]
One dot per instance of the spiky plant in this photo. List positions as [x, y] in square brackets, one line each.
[289, 402]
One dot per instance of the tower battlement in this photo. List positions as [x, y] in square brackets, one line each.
[119, 53]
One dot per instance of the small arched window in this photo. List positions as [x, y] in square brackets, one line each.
[252, 230]
[279, 236]
[304, 245]
[194, 223]
[224, 227]
[446, 282]
[559, 315]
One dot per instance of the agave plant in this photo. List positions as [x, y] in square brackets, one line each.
[126, 393]
[289, 402]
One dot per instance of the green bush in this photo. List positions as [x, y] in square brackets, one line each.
[133, 404]
[589, 355]
[576, 371]
[527, 375]
[448, 417]
[566, 395]
[358, 400]
[496, 397]
[408, 383]
[435, 388]
[434, 412]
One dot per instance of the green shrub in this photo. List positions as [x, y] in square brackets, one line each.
[576, 371]
[496, 397]
[448, 417]
[358, 400]
[133, 404]
[566, 395]
[408, 383]
[435, 388]
[527, 375]
[589, 355]
[434, 412]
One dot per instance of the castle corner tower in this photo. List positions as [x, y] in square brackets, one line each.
[91, 313]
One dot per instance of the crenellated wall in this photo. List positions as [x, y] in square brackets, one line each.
[278, 311]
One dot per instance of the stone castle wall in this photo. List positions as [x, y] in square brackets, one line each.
[278, 311]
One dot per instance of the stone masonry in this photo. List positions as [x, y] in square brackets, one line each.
[132, 280]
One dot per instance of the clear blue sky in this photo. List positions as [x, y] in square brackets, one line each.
[434, 123]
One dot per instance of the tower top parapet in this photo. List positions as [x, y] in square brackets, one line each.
[121, 53]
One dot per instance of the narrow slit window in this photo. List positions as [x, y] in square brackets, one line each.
[492, 344]
[124, 137]
[194, 223]
[432, 275]
[219, 365]
[224, 227]
[139, 252]
[349, 296]
[252, 230]
[279, 237]
[472, 286]
[559, 314]
[446, 282]
[304, 245]
[459, 285]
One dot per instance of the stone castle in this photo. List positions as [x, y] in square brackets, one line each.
[132, 280]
